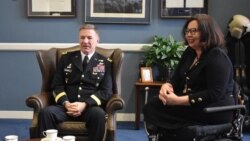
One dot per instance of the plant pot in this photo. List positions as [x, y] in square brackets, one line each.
[164, 74]
[169, 74]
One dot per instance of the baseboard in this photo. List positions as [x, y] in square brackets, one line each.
[16, 114]
[29, 115]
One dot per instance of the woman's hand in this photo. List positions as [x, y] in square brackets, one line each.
[168, 97]
[172, 99]
[165, 89]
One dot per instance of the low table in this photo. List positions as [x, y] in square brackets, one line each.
[35, 139]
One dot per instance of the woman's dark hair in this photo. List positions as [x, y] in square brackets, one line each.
[211, 34]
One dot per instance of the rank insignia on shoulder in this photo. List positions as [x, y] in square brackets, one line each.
[65, 52]
[109, 60]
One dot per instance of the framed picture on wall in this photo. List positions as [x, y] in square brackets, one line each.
[51, 8]
[146, 74]
[182, 8]
[118, 11]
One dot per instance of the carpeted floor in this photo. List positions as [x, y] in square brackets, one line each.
[125, 130]
[20, 127]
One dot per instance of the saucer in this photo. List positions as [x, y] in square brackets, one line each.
[46, 139]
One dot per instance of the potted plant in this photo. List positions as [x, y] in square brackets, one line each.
[165, 53]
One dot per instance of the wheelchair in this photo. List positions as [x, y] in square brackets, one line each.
[231, 131]
[219, 132]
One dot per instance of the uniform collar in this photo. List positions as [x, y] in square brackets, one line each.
[89, 56]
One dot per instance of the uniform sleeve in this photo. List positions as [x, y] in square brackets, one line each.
[58, 83]
[218, 71]
[103, 94]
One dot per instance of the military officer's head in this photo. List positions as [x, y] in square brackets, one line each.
[88, 38]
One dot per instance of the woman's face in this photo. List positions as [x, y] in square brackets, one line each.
[192, 35]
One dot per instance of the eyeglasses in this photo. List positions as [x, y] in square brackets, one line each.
[192, 31]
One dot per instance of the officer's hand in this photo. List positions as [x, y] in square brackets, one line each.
[71, 109]
[81, 106]
[70, 106]
[76, 109]
[67, 105]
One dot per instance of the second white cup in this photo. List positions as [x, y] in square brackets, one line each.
[69, 138]
[50, 134]
[11, 138]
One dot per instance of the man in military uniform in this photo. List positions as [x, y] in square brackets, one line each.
[81, 86]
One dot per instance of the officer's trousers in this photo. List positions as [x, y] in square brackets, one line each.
[94, 117]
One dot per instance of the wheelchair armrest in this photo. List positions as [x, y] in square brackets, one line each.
[114, 103]
[225, 108]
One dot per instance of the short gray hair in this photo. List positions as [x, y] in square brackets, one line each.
[89, 26]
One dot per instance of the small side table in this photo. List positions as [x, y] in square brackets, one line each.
[143, 86]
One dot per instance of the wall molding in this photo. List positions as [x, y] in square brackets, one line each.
[29, 115]
[41, 46]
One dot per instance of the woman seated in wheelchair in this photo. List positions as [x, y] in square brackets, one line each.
[203, 78]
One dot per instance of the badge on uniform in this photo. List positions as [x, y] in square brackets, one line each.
[99, 68]
[69, 66]
[67, 70]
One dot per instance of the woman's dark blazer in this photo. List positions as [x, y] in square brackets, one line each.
[208, 82]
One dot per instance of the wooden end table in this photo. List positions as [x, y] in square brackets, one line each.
[143, 86]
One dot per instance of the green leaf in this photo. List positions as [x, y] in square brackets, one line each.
[163, 51]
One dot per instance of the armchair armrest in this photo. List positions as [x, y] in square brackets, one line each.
[37, 102]
[114, 103]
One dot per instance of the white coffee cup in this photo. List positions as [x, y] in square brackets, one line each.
[69, 138]
[50, 134]
[11, 138]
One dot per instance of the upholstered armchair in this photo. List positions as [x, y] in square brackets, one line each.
[47, 60]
